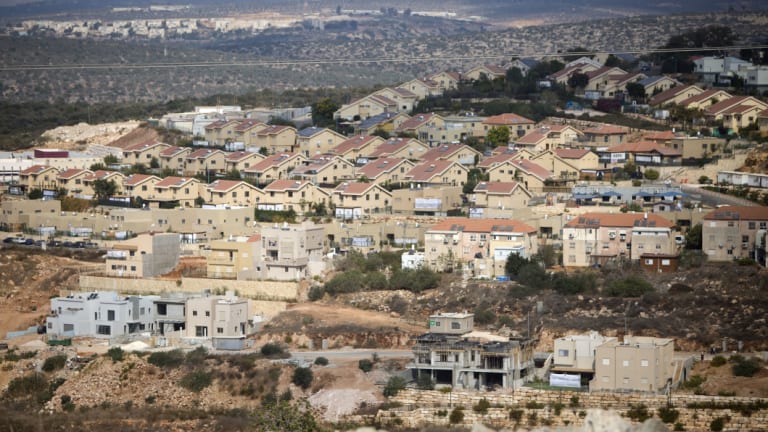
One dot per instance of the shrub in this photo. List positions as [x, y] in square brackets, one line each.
[27, 385]
[484, 314]
[557, 407]
[482, 406]
[149, 400]
[315, 293]
[651, 174]
[679, 427]
[694, 382]
[54, 363]
[516, 414]
[457, 416]
[167, 359]
[302, 377]
[365, 365]
[718, 361]
[197, 356]
[398, 304]
[638, 413]
[717, 424]
[196, 381]
[668, 414]
[66, 403]
[746, 367]
[116, 354]
[574, 401]
[394, 385]
[321, 361]
[631, 286]
[272, 350]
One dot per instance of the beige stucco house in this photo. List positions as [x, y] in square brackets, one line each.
[385, 170]
[231, 193]
[296, 195]
[276, 139]
[733, 232]
[275, 167]
[312, 141]
[354, 200]
[174, 158]
[143, 153]
[501, 195]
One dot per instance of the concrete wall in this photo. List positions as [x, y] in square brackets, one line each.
[420, 408]
[258, 290]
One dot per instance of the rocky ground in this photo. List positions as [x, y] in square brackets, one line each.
[79, 136]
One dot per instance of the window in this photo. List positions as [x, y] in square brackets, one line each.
[648, 262]
[456, 325]
[571, 258]
[625, 363]
[162, 309]
[104, 330]
[745, 239]
[207, 313]
[201, 331]
[563, 353]
[110, 315]
[751, 225]
[443, 357]
[220, 330]
[606, 362]
[194, 313]
[141, 311]
[626, 380]
[572, 245]
[644, 363]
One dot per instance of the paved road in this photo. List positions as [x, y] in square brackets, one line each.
[715, 198]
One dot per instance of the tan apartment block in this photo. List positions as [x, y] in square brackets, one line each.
[147, 255]
[734, 232]
[291, 251]
[234, 258]
[644, 364]
[597, 238]
[218, 317]
[16, 213]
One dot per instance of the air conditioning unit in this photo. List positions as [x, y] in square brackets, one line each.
[612, 236]
[483, 244]
[745, 245]
[570, 236]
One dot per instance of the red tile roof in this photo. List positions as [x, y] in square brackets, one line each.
[735, 213]
[446, 151]
[571, 153]
[35, 169]
[356, 142]
[533, 137]
[724, 105]
[356, 188]
[661, 136]
[173, 182]
[706, 94]
[247, 124]
[624, 220]
[135, 179]
[415, 122]
[268, 162]
[72, 172]
[482, 225]
[391, 146]
[101, 174]
[496, 188]
[273, 130]
[226, 185]
[532, 168]
[286, 185]
[203, 153]
[374, 169]
[239, 155]
[644, 147]
[497, 159]
[507, 119]
[142, 146]
[173, 151]
[426, 171]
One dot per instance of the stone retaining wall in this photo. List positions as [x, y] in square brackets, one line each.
[417, 408]
[255, 290]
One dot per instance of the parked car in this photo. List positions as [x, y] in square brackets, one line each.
[80, 244]
[68, 244]
[29, 242]
[54, 243]
[39, 243]
[19, 240]
[8, 240]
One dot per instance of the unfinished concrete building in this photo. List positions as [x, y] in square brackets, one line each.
[452, 353]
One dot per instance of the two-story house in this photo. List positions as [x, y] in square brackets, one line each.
[232, 193]
[205, 161]
[274, 167]
[102, 314]
[240, 160]
[385, 170]
[234, 258]
[296, 195]
[532, 175]
[140, 186]
[437, 173]
[175, 191]
[225, 320]
[276, 139]
[407, 148]
[460, 153]
[323, 170]
[499, 195]
[38, 177]
[639, 363]
[143, 153]
[358, 200]
[354, 147]
[174, 158]
[674, 95]
[291, 251]
[72, 180]
[312, 141]
[517, 124]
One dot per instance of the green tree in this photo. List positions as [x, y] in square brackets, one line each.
[380, 133]
[110, 159]
[35, 193]
[578, 80]
[302, 377]
[322, 112]
[104, 189]
[394, 385]
[636, 91]
[693, 238]
[651, 174]
[154, 163]
[232, 175]
[498, 136]
[514, 263]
